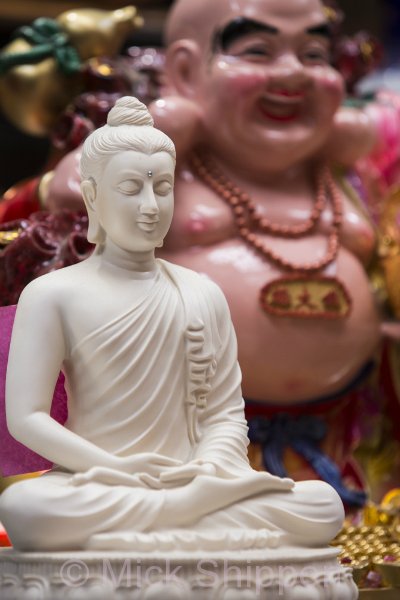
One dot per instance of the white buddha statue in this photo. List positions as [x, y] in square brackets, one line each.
[153, 454]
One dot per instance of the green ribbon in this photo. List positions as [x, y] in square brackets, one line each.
[361, 102]
[47, 40]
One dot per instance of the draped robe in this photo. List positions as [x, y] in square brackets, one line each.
[163, 377]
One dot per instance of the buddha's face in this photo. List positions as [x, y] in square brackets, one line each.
[134, 199]
[266, 86]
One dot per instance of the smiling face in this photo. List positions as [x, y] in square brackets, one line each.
[134, 199]
[266, 87]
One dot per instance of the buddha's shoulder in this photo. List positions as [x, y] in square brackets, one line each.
[199, 283]
[55, 284]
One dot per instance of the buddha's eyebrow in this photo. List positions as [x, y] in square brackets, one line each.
[242, 26]
[323, 29]
[238, 28]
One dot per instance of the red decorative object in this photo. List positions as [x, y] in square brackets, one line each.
[88, 112]
[305, 300]
[331, 301]
[46, 242]
[305, 297]
[4, 539]
[20, 201]
[71, 130]
[357, 56]
[281, 298]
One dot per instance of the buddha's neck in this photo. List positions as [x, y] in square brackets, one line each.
[114, 257]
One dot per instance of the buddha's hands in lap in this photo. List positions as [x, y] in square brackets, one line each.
[175, 476]
[150, 470]
[185, 473]
[134, 470]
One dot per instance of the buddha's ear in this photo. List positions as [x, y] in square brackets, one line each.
[89, 192]
[183, 67]
[95, 232]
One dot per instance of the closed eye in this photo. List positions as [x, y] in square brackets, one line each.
[163, 188]
[250, 52]
[130, 187]
[316, 55]
[257, 51]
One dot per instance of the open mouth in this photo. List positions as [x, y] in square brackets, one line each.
[282, 106]
[285, 95]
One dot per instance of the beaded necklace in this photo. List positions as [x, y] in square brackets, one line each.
[304, 292]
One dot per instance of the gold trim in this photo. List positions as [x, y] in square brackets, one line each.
[382, 594]
[303, 296]
[7, 237]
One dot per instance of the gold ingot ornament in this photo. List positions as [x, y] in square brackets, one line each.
[40, 70]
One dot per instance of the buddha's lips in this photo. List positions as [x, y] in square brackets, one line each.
[281, 94]
[280, 108]
[147, 225]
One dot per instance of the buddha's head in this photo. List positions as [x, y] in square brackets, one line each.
[127, 169]
[260, 69]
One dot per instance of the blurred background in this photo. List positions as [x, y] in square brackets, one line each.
[380, 17]
[17, 12]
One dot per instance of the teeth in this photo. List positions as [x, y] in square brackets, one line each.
[284, 99]
[287, 93]
[279, 109]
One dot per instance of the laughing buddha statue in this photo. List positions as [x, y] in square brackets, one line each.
[154, 451]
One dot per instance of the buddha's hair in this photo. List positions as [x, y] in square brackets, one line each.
[129, 127]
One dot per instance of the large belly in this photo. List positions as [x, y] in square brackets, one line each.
[289, 359]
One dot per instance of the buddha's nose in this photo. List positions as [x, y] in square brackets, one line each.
[149, 205]
[290, 71]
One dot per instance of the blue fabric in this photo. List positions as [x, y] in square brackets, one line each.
[303, 434]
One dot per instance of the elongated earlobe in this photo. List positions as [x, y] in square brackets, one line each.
[183, 62]
[95, 233]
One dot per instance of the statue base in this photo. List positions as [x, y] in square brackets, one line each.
[278, 574]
